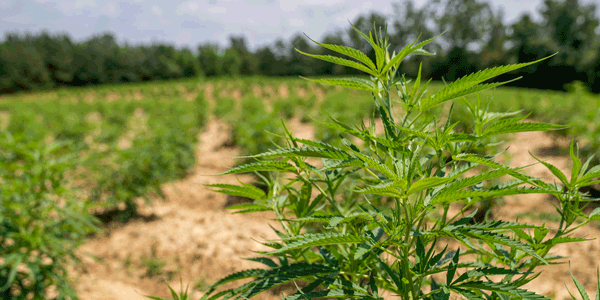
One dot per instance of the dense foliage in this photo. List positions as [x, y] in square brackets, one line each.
[475, 40]
[41, 221]
[382, 203]
[66, 156]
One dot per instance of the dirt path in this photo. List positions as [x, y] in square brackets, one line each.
[190, 235]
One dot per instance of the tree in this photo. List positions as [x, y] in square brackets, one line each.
[231, 62]
[266, 61]
[408, 24]
[465, 24]
[188, 63]
[21, 68]
[329, 68]
[299, 64]
[57, 52]
[571, 27]
[209, 59]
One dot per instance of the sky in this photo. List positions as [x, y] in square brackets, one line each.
[192, 22]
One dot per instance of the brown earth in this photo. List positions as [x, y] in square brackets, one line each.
[194, 238]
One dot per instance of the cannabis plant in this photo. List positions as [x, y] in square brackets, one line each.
[41, 221]
[392, 213]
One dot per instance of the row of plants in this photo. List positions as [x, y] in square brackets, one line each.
[42, 221]
[62, 162]
[374, 219]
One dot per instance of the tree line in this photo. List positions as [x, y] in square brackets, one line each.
[475, 36]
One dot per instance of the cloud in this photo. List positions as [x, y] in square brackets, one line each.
[353, 13]
[156, 10]
[5, 3]
[217, 10]
[183, 37]
[23, 20]
[68, 6]
[187, 8]
[296, 22]
[111, 9]
[293, 5]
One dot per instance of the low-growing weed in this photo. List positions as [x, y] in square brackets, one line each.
[255, 130]
[154, 265]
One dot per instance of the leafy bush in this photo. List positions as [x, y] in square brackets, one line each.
[285, 108]
[383, 210]
[224, 107]
[165, 154]
[255, 130]
[41, 222]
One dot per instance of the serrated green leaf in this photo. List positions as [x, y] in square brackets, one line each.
[469, 181]
[595, 214]
[468, 83]
[521, 127]
[410, 49]
[452, 267]
[341, 61]
[387, 188]
[249, 207]
[576, 164]
[348, 82]
[462, 194]
[480, 272]
[281, 275]
[233, 277]
[336, 293]
[356, 54]
[374, 164]
[501, 288]
[461, 137]
[264, 260]
[343, 164]
[417, 133]
[564, 239]
[497, 238]
[486, 225]
[427, 183]
[279, 166]
[468, 294]
[467, 91]
[589, 175]
[557, 172]
[304, 152]
[247, 190]
[313, 240]
[317, 144]
[313, 219]
[492, 164]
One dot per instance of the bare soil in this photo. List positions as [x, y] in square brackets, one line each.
[196, 239]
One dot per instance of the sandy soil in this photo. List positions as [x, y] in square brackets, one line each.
[195, 238]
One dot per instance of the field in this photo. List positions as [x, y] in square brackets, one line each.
[137, 156]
